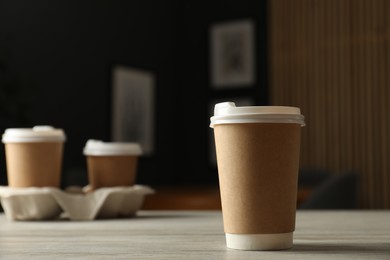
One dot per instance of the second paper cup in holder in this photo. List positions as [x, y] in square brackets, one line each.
[258, 159]
[34, 156]
[111, 164]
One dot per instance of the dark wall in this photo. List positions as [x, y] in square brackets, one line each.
[55, 64]
[195, 18]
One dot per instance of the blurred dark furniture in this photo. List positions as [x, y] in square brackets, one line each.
[337, 191]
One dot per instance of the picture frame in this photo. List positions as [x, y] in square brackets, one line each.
[232, 46]
[133, 107]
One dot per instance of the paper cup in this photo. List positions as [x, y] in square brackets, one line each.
[34, 156]
[111, 164]
[258, 161]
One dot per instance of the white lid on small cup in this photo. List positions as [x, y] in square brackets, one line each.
[35, 134]
[228, 113]
[100, 148]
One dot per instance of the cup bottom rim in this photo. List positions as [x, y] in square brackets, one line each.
[277, 241]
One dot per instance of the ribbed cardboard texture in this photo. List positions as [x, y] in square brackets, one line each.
[34, 164]
[111, 171]
[258, 174]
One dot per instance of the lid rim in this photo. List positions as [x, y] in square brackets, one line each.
[100, 148]
[97, 154]
[9, 140]
[228, 113]
[34, 134]
[296, 119]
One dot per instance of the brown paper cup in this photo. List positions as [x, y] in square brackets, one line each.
[111, 171]
[34, 164]
[111, 164]
[34, 156]
[258, 167]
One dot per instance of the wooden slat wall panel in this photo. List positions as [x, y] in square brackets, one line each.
[331, 58]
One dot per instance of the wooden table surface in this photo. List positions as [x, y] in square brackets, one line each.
[193, 235]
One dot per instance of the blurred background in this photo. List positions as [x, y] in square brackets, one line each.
[328, 57]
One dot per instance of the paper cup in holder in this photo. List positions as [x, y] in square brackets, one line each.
[34, 156]
[111, 164]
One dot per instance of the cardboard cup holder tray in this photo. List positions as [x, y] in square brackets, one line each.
[73, 203]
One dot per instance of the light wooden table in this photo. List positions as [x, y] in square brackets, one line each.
[193, 235]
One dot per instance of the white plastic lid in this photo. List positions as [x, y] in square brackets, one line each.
[100, 148]
[35, 134]
[228, 113]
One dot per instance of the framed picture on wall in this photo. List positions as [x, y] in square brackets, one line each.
[232, 54]
[133, 107]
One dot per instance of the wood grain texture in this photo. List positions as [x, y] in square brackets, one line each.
[193, 235]
[331, 59]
